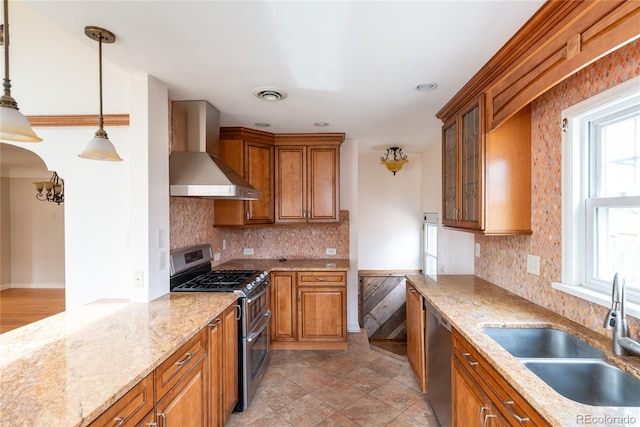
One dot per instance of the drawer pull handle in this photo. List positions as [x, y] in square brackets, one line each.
[186, 359]
[321, 279]
[481, 417]
[469, 361]
[120, 421]
[215, 322]
[521, 420]
[164, 419]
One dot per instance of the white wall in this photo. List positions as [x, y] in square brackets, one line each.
[37, 238]
[349, 201]
[56, 73]
[455, 248]
[389, 214]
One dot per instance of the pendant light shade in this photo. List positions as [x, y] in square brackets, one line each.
[100, 148]
[14, 126]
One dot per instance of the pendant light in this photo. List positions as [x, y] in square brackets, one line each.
[100, 148]
[14, 126]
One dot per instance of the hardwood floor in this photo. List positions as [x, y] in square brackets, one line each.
[19, 307]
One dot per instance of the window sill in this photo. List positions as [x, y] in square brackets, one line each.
[631, 308]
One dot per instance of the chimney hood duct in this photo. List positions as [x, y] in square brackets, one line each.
[198, 171]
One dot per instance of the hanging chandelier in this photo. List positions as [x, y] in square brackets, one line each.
[50, 191]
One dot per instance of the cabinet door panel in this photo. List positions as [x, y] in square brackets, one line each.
[259, 173]
[186, 404]
[214, 355]
[283, 300]
[323, 184]
[321, 313]
[471, 165]
[229, 361]
[291, 182]
[450, 172]
[416, 346]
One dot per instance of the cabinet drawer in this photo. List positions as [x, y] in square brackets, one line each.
[513, 407]
[314, 278]
[179, 363]
[131, 408]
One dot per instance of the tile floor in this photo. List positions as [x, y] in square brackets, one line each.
[362, 386]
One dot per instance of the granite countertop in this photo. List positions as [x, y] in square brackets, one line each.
[470, 303]
[288, 265]
[67, 369]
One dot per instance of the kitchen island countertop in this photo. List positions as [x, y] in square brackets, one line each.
[470, 303]
[288, 265]
[67, 369]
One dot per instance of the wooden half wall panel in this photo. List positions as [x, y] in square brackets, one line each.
[383, 305]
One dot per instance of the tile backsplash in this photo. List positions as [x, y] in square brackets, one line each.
[503, 260]
[192, 224]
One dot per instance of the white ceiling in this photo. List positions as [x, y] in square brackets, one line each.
[353, 64]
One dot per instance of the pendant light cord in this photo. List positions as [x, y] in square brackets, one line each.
[101, 118]
[5, 34]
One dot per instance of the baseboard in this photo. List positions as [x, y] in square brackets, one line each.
[52, 285]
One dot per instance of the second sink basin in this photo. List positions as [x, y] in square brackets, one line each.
[542, 343]
[592, 382]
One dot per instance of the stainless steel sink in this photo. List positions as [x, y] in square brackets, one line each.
[592, 382]
[542, 343]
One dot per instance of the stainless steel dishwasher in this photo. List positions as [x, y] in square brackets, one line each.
[439, 365]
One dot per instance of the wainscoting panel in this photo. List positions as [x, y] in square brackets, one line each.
[382, 304]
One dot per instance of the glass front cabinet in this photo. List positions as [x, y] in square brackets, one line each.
[462, 166]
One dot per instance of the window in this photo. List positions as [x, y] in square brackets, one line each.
[601, 193]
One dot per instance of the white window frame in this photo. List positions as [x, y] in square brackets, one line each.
[575, 181]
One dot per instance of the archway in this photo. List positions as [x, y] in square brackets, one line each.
[32, 255]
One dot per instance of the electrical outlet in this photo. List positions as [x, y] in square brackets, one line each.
[138, 279]
[533, 264]
[477, 250]
[216, 256]
[224, 245]
[248, 251]
[330, 251]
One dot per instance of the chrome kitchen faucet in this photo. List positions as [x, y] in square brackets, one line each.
[617, 320]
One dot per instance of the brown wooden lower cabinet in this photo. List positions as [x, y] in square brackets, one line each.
[480, 394]
[196, 386]
[309, 310]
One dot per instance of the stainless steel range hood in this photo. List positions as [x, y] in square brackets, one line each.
[197, 171]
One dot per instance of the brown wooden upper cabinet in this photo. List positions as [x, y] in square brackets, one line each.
[307, 178]
[486, 177]
[486, 142]
[250, 154]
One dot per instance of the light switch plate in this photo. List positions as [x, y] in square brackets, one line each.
[533, 264]
[216, 256]
[477, 250]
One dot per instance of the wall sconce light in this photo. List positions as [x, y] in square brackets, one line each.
[100, 148]
[395, 163]
[54, 189]
[14, 126]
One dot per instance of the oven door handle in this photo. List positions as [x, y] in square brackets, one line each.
[257, 333]
[255, 297]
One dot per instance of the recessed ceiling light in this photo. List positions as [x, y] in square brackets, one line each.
[426, 87]
[261, 125]
[321, 124]
[270, 93]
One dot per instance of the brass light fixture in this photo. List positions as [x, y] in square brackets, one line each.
[14, 126]
[100, 148]
[394, 159]
[54, 189]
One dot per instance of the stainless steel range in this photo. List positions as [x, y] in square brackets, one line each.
[191, 272]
